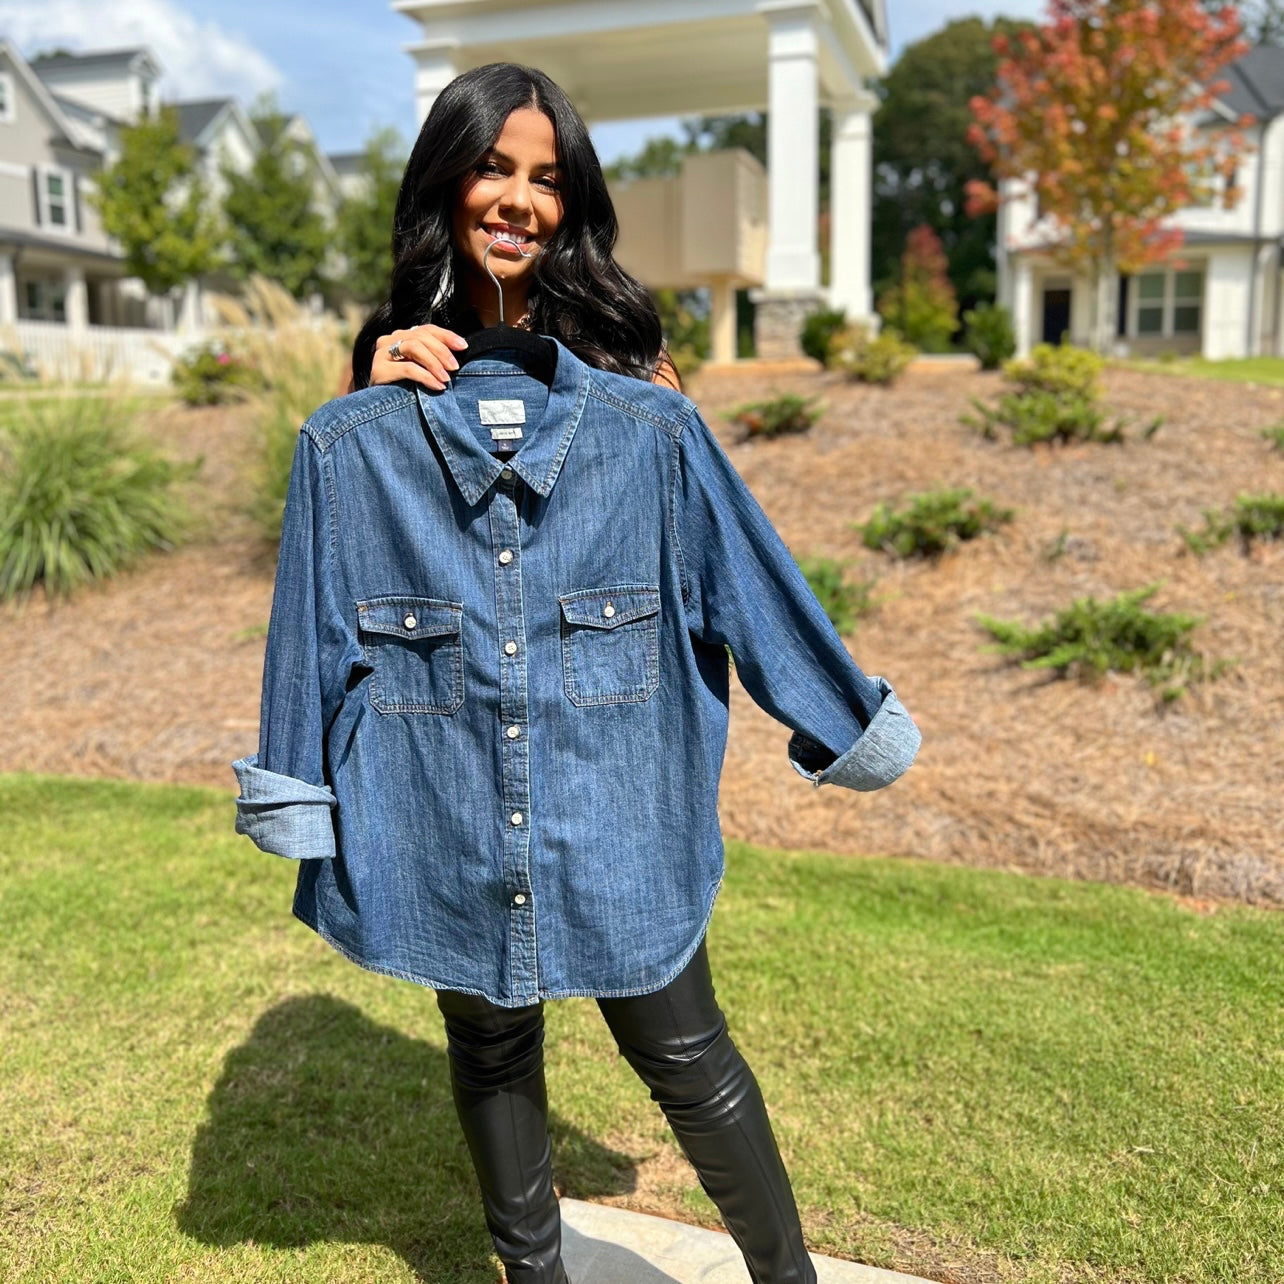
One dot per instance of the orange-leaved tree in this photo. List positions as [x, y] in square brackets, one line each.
[1105, 111]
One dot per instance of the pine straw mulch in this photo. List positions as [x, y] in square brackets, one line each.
[156, 674]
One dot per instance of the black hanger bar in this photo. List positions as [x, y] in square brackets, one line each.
[542, 353]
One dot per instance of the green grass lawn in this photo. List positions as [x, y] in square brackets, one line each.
[1033, 1080]
[1264, 370]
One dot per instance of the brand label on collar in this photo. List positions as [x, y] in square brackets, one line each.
[505, 434]
[502, 412]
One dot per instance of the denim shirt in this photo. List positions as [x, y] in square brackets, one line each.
[495, 689]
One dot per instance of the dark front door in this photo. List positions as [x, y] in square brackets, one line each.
[1056, 315]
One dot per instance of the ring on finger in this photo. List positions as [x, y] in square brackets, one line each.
[395, 353]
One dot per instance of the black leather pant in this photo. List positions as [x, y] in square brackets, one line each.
[676, 1039]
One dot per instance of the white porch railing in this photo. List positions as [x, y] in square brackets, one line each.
[97, 353]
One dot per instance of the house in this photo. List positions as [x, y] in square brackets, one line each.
[223, 136]
[57, 265]
[1220, 295]
[349, 170]
[710, 57]
[66, 299]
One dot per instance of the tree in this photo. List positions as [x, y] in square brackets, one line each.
[1095, 111]
[151, 199]
[923, 161]
[922, 305]
[659, 158]
[1263, 21]
[364, 224]
[274, 227]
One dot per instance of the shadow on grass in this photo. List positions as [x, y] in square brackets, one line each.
[326, 1127]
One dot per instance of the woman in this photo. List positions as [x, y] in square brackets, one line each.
[507, 790]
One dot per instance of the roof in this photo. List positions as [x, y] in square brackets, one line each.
[1256, 83]
[197, 114]
[98, 58]
[67, 125]
[346, 163]
[84, 111]
[64, 246]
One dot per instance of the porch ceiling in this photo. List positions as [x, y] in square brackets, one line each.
[667, 58]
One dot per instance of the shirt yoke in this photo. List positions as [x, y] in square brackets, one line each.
[665, 408]
[329, 422]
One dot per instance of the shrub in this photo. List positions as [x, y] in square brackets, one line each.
[786, 413]
[1275, 435]
[932, 523]
[16, 368]
[213, 375]
[686, 329]
[989, 334]
[1252, 517]
[844, 602]
[869, 358]
[301, 357]
[817, 331]
[1090, 638]
[1056, 399]
[922, 304]
[81, 497]
[1058, 369]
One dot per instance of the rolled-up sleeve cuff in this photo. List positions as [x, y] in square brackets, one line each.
[884, 751]
[282, 814]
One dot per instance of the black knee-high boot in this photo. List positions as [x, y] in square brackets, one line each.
[497, 1079]
[677, 1041]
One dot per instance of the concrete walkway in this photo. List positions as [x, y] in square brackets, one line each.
[602, 1245]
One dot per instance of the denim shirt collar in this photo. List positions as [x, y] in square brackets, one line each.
[539, 460]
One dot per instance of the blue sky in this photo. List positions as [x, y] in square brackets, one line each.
[339, 62]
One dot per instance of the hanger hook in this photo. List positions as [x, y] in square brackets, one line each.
[493, 277]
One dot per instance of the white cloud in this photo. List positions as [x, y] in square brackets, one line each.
[200, 59]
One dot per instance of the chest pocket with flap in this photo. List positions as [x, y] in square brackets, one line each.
[611, 644]
[415, 647]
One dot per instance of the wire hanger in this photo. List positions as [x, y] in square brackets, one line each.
[510, 338]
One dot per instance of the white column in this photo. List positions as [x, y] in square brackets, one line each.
[850, 179]
[434, 70]
[189, 308]
[1023, 304]
[77, 298]
[793, 149]
[722, 319]
[8, 290]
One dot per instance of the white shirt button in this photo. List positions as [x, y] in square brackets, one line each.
[519, 899]
[505, 473]
[514, 732]
[505, 557]
[516, 818]
[608, 610]
[510, 648]
[410, 621]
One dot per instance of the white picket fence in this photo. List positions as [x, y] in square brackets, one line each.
[96, 353]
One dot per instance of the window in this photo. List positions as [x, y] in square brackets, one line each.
[46, 300]
[1150, 303]
[1169, 302]
[1188, 299]
[6, 98]
[56, 199]
[56, 195]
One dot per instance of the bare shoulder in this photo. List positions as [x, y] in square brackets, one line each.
[666, 373]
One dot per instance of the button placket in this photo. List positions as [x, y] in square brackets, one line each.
[505, 531]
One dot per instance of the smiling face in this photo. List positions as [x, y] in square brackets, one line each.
[514, 190]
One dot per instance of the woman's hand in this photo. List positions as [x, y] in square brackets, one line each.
[427, 356]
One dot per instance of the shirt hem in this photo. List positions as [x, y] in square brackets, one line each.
[542, 995]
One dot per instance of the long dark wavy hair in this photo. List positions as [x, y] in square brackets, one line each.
[579, 293]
